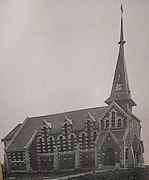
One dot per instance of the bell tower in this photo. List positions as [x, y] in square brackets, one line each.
[120, 92]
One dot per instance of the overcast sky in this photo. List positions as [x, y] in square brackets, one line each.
[60, 55]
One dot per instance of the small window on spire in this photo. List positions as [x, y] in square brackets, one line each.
[118, 87]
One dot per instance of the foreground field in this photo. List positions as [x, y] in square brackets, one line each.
[113, 174]
[123, 174]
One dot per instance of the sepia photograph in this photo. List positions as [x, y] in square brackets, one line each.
[74, 90]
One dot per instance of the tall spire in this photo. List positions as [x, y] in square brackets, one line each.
[120, 89]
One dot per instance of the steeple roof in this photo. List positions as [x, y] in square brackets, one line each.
[120, 88]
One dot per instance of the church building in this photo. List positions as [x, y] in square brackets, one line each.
[96, 137]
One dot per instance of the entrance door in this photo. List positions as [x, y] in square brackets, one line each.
[109, 158]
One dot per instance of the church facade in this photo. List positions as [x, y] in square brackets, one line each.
[88, 138]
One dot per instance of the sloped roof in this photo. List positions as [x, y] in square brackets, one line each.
[78, 118]
[12, 133]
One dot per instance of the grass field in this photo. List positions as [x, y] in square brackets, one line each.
[113, 174]
[117, 174]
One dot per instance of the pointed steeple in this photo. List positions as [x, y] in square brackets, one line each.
[120, 89]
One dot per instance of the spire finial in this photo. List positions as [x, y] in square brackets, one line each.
[121, 30]
[121, 11]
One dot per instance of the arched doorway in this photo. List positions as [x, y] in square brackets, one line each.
[109, 158]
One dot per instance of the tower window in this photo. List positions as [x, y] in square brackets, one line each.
[113, 119]
[107, 123]
[119, 123]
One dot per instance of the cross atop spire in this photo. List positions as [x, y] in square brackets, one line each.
[121, 42]
[120, 89]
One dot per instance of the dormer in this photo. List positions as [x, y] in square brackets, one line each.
[46, 127]
[90, 122]
[67, 125]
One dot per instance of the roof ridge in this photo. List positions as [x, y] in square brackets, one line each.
[60, 113]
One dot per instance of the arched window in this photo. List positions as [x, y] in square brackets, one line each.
[119, 124]
[126, 155]
[65, 129]
[83, 140]
[41, 147]
[88, 126]
[66, 135]
[107, 123]
[89, 134]
[94, 136]
[44, 131]
[113, 119]
[72, 142]
[61, 143]
[51, 144]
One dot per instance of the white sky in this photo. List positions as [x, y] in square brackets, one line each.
[60, 55]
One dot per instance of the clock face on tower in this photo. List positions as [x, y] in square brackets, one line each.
[118, 87]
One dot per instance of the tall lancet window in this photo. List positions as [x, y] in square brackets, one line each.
[72, 143]
[45, 138]
[51, 144]
[107, 123]
[83, 140]
[61, 143]
[113, 119]
[41, 146]
[94, 136]
[89, 133]
[66, 135]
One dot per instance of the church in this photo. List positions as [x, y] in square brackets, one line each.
[98, 137]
